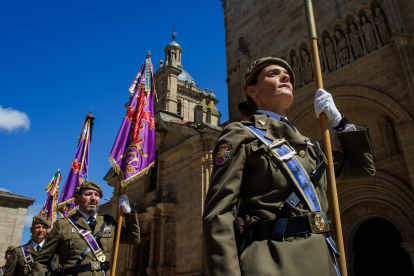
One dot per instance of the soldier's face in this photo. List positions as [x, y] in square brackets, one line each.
[273, 89]
[8, 257]
[38, 232]
[88, 201]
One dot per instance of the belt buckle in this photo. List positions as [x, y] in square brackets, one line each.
[95, 266]
[318, 222]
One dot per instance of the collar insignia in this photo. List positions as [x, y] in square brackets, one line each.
[261, 122]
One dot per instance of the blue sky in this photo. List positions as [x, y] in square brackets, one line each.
[61, 58]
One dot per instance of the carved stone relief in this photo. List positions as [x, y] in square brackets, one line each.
[358, 34]
[390, 139]
[343, 52]
[330, 54]
[356, 42]
[297, 72]
[368, 32]
[382, 27]
[307, 67]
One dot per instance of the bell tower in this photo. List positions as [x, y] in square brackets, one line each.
[173, 53]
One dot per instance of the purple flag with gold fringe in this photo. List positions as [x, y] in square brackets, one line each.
[49, 209]
[78, 170]
[133, 153]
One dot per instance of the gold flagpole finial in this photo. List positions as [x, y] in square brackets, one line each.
[149, 53]
[90, 111]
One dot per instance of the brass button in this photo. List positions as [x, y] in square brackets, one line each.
[313, 200]
[270, 153]
[291, 201]
[302, 153]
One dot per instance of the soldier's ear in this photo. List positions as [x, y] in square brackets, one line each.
[251, 91]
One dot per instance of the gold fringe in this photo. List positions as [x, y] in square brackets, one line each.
[137, 176]
[69, 201]
[115, 166]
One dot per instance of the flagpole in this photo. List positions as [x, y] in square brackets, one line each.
[118, 235]
[336, 216]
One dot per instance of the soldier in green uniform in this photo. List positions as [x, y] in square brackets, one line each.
[84, 241]
[7, 256]
[250, 181]
[21, 261]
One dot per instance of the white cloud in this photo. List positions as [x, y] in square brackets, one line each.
[33, 210]
[5, 190]
[11, 119]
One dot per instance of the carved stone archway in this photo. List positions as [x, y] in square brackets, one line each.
[358, 93]
[381, 196]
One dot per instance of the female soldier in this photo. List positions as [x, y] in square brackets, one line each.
[249, 181]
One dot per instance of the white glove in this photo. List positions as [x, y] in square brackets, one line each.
[325, 103]
[124, 204]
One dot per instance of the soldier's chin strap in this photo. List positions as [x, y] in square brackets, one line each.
[82, 257]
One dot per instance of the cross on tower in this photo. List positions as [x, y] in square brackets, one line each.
[174, 33]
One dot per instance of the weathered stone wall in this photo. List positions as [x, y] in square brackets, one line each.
[13, 212]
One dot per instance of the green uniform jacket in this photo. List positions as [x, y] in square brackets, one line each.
[59, 241]
[17, 266]
[251, 175]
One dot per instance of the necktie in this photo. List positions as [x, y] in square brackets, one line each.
[38, 248]
[92, 223]
[289, 123]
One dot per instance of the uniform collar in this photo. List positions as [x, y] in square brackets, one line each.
[275, 129]
[85, 216]
[271, 114]
[36, 244]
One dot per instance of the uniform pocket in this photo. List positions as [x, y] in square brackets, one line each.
[69, 243]
[107, 242]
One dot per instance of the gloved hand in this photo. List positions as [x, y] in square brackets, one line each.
[124, 204]
[324, 103]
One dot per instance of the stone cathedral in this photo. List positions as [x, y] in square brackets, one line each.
[366, 49]
[170, 198]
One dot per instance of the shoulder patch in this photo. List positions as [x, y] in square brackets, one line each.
[223, 154]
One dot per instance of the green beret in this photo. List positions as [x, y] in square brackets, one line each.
[89, 184]
[39, 219]
[10, 249]
[257, 65]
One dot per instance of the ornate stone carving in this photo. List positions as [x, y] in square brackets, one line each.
[321, 60]
[356, 42]
[173, 55]
[390, 139]
[330, 54]
[307, 67]
[242, 49]
[343, 52]
[382, 27]
[368, 32]
[297, 72]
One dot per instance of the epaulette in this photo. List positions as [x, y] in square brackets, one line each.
[247, 123]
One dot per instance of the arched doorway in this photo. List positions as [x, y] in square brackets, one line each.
[378, 251]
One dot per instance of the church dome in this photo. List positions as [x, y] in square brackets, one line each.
[173, 43]
[185, 76]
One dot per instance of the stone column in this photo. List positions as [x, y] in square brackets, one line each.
[409, 247]
[359, 25]
[152, 244]
[162, 246]
[405, 53]
[338, 63]
[406, 133]
[371, 18]
[351, 58]
[394, 18]
[350, 258]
